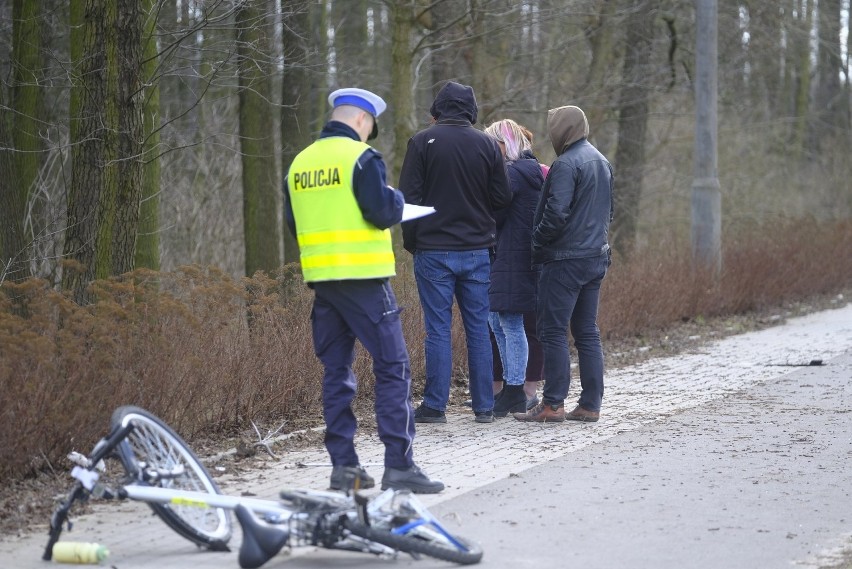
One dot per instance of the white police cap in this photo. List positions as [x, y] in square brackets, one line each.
[362, 99]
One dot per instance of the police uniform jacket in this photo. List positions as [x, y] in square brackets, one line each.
[380, 204]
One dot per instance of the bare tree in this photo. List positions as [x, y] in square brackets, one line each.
[103, 201]
[260, 190]
[402, 17]
[634, 107]
[349, 22]
[601, 30]
[296, 102]
[832, 110]
[123, 213]
[21, 132]
[801, 49]
[148, 241]
[11, 208]
[441, 22]
[779, 93]
[764, 58]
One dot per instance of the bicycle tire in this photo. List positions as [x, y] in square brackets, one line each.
[412, 544]
[153, 442]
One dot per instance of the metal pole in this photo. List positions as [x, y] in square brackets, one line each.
[706, 194]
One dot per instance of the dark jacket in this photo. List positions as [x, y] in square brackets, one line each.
[514, 280]
[459, 171]
[576, 205]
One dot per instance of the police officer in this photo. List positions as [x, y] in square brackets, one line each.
[340, 207]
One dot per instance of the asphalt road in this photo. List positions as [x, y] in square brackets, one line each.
[760, 478]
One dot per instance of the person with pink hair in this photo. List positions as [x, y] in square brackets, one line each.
[514, 280]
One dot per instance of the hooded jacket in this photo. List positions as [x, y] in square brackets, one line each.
[458, 170]
[514, 279]
[576, 205]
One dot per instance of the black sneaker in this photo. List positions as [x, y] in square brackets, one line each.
[484, 416]
[349, 478]
[411, 478]
[425, 414]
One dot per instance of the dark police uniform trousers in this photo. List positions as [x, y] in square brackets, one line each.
[367, 310]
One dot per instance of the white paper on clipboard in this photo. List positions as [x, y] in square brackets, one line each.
[411, 211]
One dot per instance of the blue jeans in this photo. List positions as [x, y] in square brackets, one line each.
[568, 295]
[508, 328]
[465, 275]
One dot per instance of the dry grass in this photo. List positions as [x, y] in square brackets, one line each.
[209, 353]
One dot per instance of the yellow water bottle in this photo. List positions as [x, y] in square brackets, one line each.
[79, 552]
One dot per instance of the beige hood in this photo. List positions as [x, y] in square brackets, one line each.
[566, 125]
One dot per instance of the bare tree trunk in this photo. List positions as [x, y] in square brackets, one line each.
[260, 206]
[12, 207]
[830, 106]
[296, 103]
[803, 73]
[106, 180]
[788, 79]
[765, 54]
[848, 73]
[148, 241]
[632, 124]
[543, 98]
[93, 127]
[350, 39]
[402, 17]
[600, 34]
[488, 61]
[732, 51]
[319, 64]
[23, 135]
[131, 102]
[444, 53]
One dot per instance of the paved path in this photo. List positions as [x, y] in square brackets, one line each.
[729, 456]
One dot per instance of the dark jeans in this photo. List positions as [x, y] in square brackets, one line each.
[568, 295]
[366, 310]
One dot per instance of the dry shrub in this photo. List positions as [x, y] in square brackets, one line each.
[763, 265]
[209, 353]
[201, 350]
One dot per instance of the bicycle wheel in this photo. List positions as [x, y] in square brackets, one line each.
[155, 444]
[443, 550]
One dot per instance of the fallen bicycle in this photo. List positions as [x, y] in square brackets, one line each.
[162, 471]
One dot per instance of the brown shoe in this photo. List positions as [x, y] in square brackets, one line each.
[580, 414]
[543, 413]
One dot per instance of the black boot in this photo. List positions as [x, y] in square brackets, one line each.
[512, 399]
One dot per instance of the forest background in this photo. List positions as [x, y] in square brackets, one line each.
[142, 146]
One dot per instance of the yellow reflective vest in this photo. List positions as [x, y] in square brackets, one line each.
[335, 241]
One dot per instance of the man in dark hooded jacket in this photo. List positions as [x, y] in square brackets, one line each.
[459, 171]
[570, 230]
